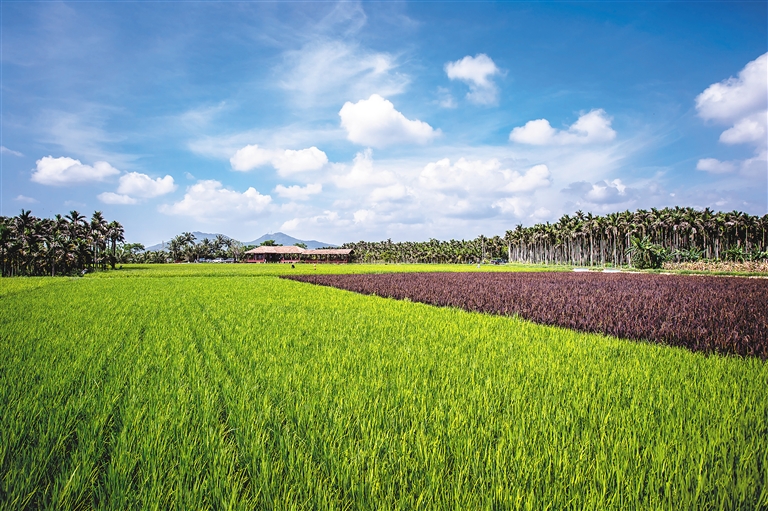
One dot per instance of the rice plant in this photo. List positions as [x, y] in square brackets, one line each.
[146, 390]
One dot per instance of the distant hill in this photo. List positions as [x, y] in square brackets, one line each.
[283, 239]
[279, 237]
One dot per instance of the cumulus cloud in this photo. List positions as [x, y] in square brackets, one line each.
[750, 129]
[290, 161]
[116, 198]
[742, 102]
[476, 72]
[535, 177]
[715, 166]
[608, 192]
[285, 161]
[297, 192]
[363, 173]
[290, 225]
[250, 157]
[603, 192]
[141, 185]
[66, 171]
[463, 176]
[389, 193]
[322, 72]
[735, 98]
[469, 176]
[209, 200]
[363, 215]
[592, 127]
[375, 122]
[516, 206]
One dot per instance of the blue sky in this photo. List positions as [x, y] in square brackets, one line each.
[342, 121]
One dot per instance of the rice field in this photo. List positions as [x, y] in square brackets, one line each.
[226, 387]
[726, 315]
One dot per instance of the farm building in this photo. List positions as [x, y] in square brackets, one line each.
[266, 254]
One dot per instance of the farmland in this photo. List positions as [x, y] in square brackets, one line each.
[226, 387]
[723, 315]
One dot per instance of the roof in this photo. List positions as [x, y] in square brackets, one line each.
[277, 250]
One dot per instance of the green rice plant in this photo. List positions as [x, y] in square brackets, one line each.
[147, 390]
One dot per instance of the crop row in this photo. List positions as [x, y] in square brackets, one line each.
[710, 314]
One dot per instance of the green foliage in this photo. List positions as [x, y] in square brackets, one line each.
[300, 245]
[646, 254]
[177, 387]
[690, 255]
[270, 243]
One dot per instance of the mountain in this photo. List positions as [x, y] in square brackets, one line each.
[279, 237]
[283, 239]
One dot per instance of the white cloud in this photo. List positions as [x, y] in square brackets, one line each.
[468, 176]
[209, 200]
[751, 129]
[608, 192]
[65, 171]
[363, 216]
[286, 162]
[116, 198]
[743, 103]
[602, 193]
[715, 166]
[324, 72]
[290, 225]
[389, 193]
[476, 72]
[535, 177]
[141, 185]
[592, 127]
[290, 161]
[297, 192]
[250, 157]
[25, 199]
[363, 173]
[516, 206]
[5, 150]
[463, 176]
[734, 98]
[375, 122]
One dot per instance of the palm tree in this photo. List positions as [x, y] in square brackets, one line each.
[114, 233]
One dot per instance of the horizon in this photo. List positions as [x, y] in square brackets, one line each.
[361, 120]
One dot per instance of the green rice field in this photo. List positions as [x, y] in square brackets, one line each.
[194, 387]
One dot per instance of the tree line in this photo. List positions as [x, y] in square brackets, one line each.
[184, 247]
[72, 244]
[643, 238]
[63, 245]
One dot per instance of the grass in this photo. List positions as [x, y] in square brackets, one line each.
[213, 391]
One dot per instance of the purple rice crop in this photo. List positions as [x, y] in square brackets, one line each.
[725, 315]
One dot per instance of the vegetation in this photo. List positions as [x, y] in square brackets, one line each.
[217, 392]
[59, 246]
[679, 234]
[711, 314]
